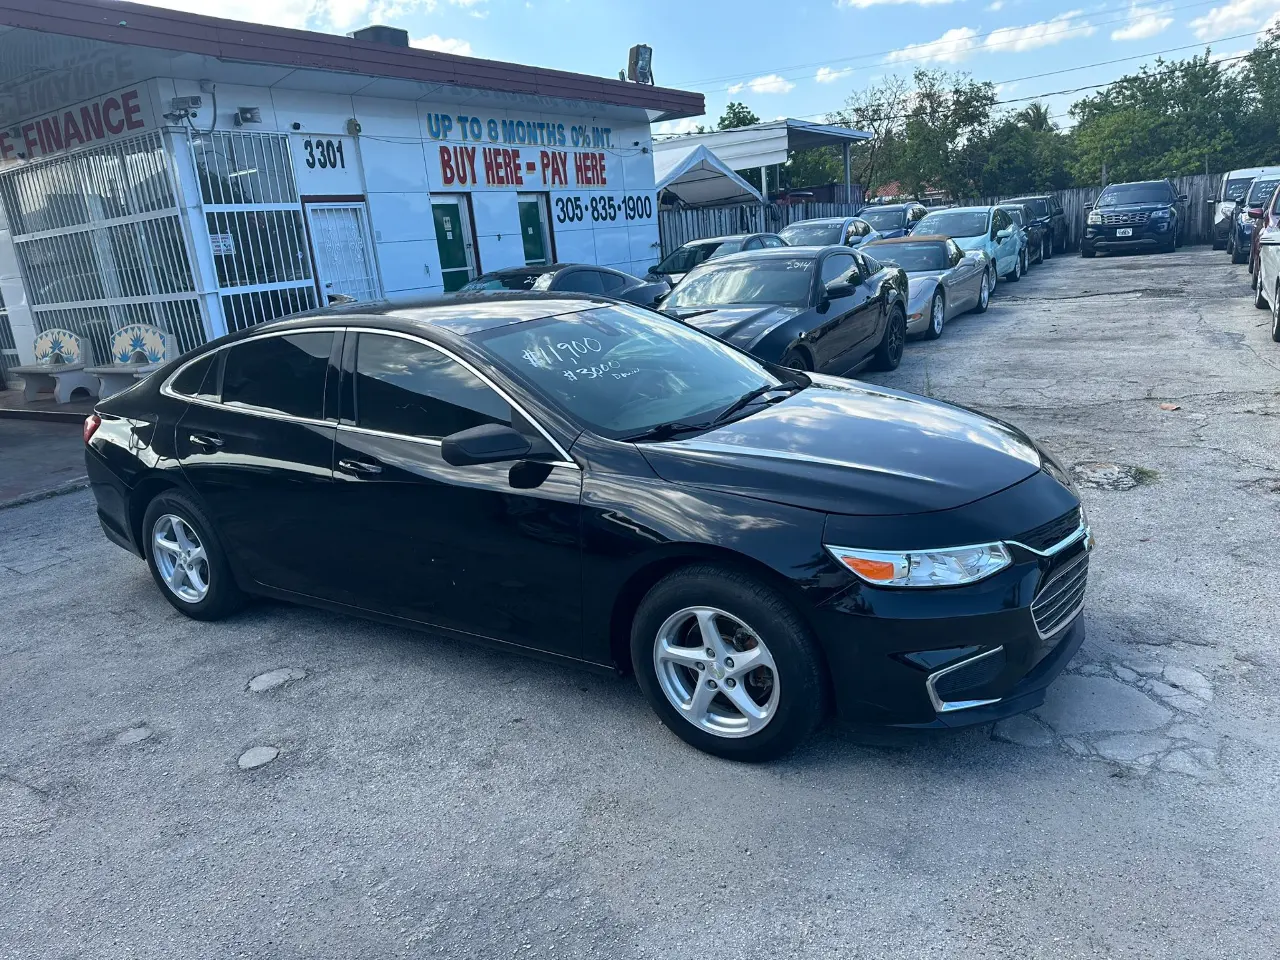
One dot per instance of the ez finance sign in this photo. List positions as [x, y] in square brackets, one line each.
[528, 153]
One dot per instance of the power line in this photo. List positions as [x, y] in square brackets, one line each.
[1070, 26]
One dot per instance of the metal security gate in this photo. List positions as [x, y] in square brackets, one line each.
[8, 348]
[100, 242]
[343, 251]
[254, 220]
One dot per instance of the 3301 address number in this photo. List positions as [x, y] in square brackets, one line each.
[325, 154]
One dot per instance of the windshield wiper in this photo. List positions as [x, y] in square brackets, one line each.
[752, 395]
[665, 431]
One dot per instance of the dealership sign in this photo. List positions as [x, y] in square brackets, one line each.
[123, 113]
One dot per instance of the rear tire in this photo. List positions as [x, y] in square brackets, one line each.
[889, 354]
[1046, 249]
[1238, 255]
[1259, 300]
[1275, 313]
[735, 613]
[197, 562]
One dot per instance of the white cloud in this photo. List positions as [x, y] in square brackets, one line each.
[674, 127]
[828, 75]
[735, 88]
[1143, 22]
[961, 43]
[333, 16]
[1235, 17]
[770, 83]
[443, 44]
[863, 4]
[994, 6]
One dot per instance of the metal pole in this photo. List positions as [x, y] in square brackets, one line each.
[848, 176]
[764, 183]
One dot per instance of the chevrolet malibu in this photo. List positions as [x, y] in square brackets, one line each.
[595, 482]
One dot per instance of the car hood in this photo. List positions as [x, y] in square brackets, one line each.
[1131, 207]
[850, 448]
[971, 243]
[739, 325]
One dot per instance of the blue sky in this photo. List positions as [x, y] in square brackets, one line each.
[801, 58]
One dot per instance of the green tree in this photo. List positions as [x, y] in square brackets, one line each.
[946, 134]
[737, 115]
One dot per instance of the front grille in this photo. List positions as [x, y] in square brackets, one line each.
[1062, 597]
[1055, 531]
[961, 683]
[1124, 219]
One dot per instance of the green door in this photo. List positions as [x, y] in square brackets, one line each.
[533, 232]
[452, 238]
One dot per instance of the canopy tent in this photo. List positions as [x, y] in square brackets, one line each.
[700, 178]
[760, 145]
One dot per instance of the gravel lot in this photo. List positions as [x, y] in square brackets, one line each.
[431, 798]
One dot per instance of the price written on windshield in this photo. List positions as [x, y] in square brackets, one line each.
[548, 355]
[602, 209]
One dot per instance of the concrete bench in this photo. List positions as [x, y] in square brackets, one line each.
[136, 350]
[60, 368]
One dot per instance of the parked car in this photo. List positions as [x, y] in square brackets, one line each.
[683, 259]
[943, 282]
[809, 308]
[1049, 214]
[1233, 187]
[1035, 240]
[843, 231]
[1268, 219]
[595, 482]
[573, 278]
[894, 219]
[1267, 279]
[989, 230]
[1133, 216]
[1247, 210]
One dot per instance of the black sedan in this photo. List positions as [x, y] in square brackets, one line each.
[594, 481]
[809, 308]
[573, 278]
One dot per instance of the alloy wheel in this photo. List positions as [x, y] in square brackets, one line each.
[937, 315]
[180, 557]
[897, 337]
[985, 292]
[716, 671]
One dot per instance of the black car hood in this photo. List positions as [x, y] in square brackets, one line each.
[850, 448]
[1132, 207]
[739, 325]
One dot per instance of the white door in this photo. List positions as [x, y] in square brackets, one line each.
[343, 251]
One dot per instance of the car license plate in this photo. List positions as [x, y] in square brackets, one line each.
[1125, 232]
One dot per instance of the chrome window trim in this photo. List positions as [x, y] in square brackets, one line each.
[564, 454]
[432, 442]
[950, 706]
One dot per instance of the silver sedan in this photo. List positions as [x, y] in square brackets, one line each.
[944, 280]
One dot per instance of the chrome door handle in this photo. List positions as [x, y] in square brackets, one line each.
[359, 466]
[205, 440]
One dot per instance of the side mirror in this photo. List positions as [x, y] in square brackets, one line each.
[489, 443]
[1005, 234]
[839, 288]
[1183, 198]
[1088, 207]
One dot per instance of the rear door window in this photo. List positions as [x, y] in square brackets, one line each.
[198, 379]
[280, 374]
[407, 388]
[580, 281]
[611, 282]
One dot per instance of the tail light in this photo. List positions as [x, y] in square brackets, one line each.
[91, 424]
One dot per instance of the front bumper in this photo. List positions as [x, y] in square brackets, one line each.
[1151, 235]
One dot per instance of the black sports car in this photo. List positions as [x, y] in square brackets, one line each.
[810, 308]
[573, 278]
[594, 481]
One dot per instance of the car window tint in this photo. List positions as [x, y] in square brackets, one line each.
[611, 281]
[870, 265]
[282, 374]
[190, 382]
[770, 242]
[836, 266]
[580, 281]
[752, 244]
[408, 388]
[955, 254]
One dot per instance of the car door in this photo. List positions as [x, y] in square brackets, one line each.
[963, 280]
[492, 549]
[1006, 247]
[850, 321]
[259, 454]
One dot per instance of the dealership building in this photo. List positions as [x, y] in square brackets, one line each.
[204, 175]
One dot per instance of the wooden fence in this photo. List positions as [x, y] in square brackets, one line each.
[677, 227]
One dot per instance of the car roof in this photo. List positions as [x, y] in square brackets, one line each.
[909, 238]
[776, 253]
[1139, 183]
[892, 206]
[1251, 172]
[824, 220]
[986, 209]
[706, 240]
[1025, 199]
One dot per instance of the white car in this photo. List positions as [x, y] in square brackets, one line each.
[1268, 290]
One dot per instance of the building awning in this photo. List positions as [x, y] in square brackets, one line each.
[761, 144]
[700, 178]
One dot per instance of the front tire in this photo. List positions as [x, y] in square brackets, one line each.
[984, 293]
[1275, 313]
[889, 354]
[1014, 275]
[1046, 249]
[727, 664]
[1259, 300]
[1087, 253]
[937, 316]
[1237, 255]
[186, 560]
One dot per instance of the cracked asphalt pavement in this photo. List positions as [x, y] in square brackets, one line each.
[293, 784]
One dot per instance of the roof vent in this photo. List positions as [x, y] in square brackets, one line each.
[391, 36]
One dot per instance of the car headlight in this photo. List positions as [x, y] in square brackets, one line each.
[1162, 214]
[946, 567]
[1095, 216]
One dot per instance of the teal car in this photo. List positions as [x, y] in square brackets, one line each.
[988, 229]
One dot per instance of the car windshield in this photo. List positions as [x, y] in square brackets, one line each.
[813, 234]
[954, 223]
[884, 220]
[1236, 189]
[786, 281]
[687, 257]
[913, 257]
[1039, 208]
[621, 370]
[1261, 192]
[1135, 193]
[1015, 212]
[521, 280]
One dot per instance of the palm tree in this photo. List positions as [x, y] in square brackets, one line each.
[1036, 118]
